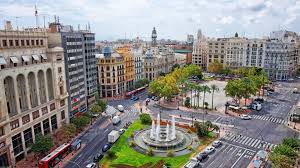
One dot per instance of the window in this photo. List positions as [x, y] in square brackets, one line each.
[17, 144]
[17, 42]
[61, 90]
[37, 129]
[32, 42]
[22, 43]
[25, 119]
[4, 43]
[59, 69]
[2, 132]
[11, 43]
[28, 137]
[14, 124]
[62, 103]
[52, 106]
[37, 42]
[35, 114]
[42, 42]
[27, 43]
[44, 110]
[62, 113]
[53, 122]
[46, 126]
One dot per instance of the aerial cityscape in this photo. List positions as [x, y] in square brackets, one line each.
[149, 84]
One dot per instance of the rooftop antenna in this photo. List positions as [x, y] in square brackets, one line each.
[36, 17]
[44, 21]
[89, 26]
[78, 27]
[17, 17]
[57, 19]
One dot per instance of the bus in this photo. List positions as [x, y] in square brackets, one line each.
[128, 95]
[55, 156]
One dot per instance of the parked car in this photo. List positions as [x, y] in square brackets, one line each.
[135, 98]
[98, 157]
[260, 100]
[91, 165]
[120, 108]
[156, 98]
[256, 106]
[193, 163]
[245, 117]
[106, 147]
[209, 149]
[295, 90]
[147, 100]
[216, 144]
[153, 97]
[121, 131]
[202, 156]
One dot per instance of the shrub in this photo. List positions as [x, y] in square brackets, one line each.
[132, 144]
[132, 135]
[190, 147]
[145, 119]
[150, 152]
[111, 154]
[170, 153]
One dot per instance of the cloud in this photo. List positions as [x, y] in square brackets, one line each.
[223, 20]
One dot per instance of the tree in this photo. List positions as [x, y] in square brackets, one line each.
[95, 109]
[291, 142]
[285, 150]
[140, 83]
[203, 129]
[248, 88]
[69, 129]
[81, 121]
[234, 89]
[145, 119]
[198, 89]
[215, 67]
[281, 161]
[42, 144]
[111, 154]
[187, 102]
[214, 89]
[176, 66]
[102, 104]
[205, 89]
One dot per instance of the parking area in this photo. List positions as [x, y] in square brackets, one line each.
[229, 156]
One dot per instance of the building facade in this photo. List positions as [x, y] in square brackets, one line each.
[111, 74]
[235, 52]
[200, 51]
[216, 51]
[255, 53]
[79, 48]
[138, 62]
[129, 64]
[33, 94]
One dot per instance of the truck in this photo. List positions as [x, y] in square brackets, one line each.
[116, 120]
[113, 136]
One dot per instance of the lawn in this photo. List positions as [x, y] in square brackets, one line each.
[127, 155]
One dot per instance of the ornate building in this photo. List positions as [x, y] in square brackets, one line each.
[200, 51]
[154, 37]
[33, 95]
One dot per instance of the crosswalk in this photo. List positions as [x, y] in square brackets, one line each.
[251, 142]
[269, 118]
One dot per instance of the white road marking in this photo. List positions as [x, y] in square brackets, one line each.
[238, 159]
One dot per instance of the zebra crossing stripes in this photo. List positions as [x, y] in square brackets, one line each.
[268, 118]
[245, 140]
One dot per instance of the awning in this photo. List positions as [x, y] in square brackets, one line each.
[2, 61]
[26, 58]
[36, 57]
[14, 59]
[44, 56]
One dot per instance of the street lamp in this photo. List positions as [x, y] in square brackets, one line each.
[226, 107]
[192, 116]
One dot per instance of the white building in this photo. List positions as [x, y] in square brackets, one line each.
[138, 63]
[200, 51]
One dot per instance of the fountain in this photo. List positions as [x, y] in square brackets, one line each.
[162, 138]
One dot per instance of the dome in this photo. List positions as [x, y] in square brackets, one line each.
[107, 51]
[148, 53]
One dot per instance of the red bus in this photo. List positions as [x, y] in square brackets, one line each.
[128, 95]
[55, 156]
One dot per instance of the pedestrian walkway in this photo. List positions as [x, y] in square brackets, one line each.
[269, 118]
[251, 142]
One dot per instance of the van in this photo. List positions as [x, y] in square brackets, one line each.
[120, 108]
[116, 120]
[256, 106]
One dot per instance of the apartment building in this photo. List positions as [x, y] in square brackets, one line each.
[111, 74]
[129, 64]
[200, 51]
[216, 51]
[235, 51]
[138, 62]
[255, 53]
[79, 53]
[33, 94]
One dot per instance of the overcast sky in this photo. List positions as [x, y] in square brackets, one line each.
[173, 19]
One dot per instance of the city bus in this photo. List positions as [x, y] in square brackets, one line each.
[55, 156]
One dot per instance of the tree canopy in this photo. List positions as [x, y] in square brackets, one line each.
[42, 144]
[215, 67]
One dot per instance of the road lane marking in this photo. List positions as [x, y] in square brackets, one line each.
[238, 159]
[254, 142]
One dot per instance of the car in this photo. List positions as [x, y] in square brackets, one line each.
[209, 149]
[106, 147]
[147, 100]
[256, 106]
[98, 157]
[216, 144]
[121, 131]
[193, 163]
[153, 97]
[120, 108]
[260, 100]
[290, 79]
[202, 156]
[91, 165]
[135, 98]
[295, 90]
[271, 90]
[245, 117]
[156, 99]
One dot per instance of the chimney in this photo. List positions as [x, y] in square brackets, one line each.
[8, 25]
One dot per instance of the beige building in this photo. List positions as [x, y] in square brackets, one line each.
[216, 51]
[235, 51]
[200, 51]
[32, 91]
[111, 74]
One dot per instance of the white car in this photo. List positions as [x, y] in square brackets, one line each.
[209, 149]
[120, 108]
[121, 131]
[246, 117]
[91, 165]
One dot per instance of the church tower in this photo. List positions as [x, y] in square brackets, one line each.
[154, 36]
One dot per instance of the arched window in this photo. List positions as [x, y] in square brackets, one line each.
[21, 86]
[50, 84]
[42, 89]
[10, 96]
[32, 90]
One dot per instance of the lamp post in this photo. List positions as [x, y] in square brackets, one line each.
[226, 107]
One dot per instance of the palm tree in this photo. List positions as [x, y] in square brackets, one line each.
[199, 89]
[213, 88]
[206, 89]
[191, 86]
